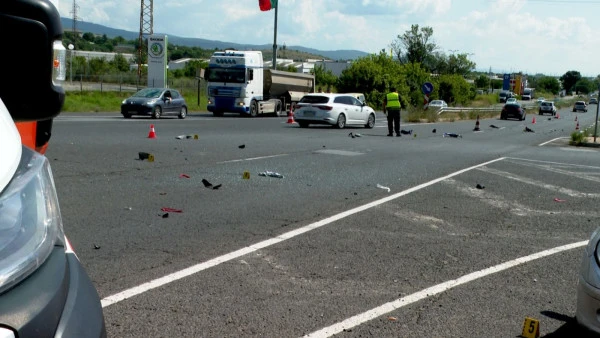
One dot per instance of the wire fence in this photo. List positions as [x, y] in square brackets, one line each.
[128, 83]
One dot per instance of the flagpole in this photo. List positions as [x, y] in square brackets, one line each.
[275, 37]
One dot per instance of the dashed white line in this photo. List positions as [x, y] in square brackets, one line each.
[434, 290]
[252, 158]
[153, 284]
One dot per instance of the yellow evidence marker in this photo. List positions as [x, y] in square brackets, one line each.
[246, 175]
[531, 328]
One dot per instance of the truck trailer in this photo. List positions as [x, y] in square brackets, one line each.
[238, 82]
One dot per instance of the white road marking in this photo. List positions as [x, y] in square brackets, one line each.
[551, 187]
[434, 290]
[589, 176]
[252, 158]
[156, 283]
[557, 163]
[339, 152]
[558, 138]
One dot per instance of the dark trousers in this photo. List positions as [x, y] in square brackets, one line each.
[393, 117]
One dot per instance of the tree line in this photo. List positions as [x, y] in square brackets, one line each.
[413, 59]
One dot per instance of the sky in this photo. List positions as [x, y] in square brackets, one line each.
[549, 37]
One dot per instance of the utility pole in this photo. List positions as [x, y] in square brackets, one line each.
[146, 28]
[596, 123]
[275, 38]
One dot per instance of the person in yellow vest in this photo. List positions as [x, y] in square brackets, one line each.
[391, 107]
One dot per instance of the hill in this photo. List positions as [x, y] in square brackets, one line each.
[212, 44]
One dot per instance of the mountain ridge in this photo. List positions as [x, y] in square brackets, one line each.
[94, 28]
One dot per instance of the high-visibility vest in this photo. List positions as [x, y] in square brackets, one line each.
[393, 101]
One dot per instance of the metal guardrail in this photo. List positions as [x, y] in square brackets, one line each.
[494, 108]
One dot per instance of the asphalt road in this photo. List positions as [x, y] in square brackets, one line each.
[327, 249]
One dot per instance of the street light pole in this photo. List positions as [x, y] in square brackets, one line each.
[596, 123]
[71, 47]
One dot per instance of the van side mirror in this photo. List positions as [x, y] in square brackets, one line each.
[34, 32]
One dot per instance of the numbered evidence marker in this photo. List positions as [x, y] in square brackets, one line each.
[146, 156]
[531, 328]
[246, 175]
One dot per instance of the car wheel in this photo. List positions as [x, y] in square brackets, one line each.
[254, 109]
[524, 116]
[157, 112]
[303, 124]
[278, 109]
[182, 113]
[341, 121]
[370, 122]
[127, 115]
[217, 113]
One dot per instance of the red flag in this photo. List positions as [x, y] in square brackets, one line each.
[267, 5]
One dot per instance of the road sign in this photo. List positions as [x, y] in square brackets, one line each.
[427, 88]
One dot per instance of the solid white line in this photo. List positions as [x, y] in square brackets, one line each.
[434, 290]
[252, 158]
[558, 138]
[153, 284]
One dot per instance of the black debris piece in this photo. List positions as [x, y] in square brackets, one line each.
[96, 246]
[165, 215]
[454, 135]
[406, 132]
[217, 186]
[242, 146]
[493, 126]
[434, 131]
[206, 183]
[529, 130]
[479, 186]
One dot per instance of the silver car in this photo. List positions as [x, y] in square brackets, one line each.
[338, 110]
[588, 287]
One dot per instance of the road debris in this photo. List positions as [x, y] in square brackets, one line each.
[479, 186]
[242, 146]
[559, 200]
[454, 135]
[165, 209]
[406, 132]
[182, 137]
[145, 156]
[353, 135]
[184, 176]
[529, 130]
[270, 174]
[493, 126]
[384, 188]
[206, 183]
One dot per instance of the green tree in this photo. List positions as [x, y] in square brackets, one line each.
[482, 81]
[569, 79]
[548, 84]
[323, 77]
[415, 45]
[584, 86]
[373, 75]
[453, 89]
[496, 83]
[119, 63]
[460, 64]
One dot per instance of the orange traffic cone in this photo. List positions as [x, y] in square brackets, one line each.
[291, 116]
[152, 133]
[476, 124]
[577, 126]
[533, 120]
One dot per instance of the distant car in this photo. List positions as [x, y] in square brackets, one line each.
[512, 100]
[547, 107]
[541, 99]
[588, 286]
[438, 104]
[513, 110]
[580, 106]
[503, 96]
[338, 110]
[593, 100]
[155, 102]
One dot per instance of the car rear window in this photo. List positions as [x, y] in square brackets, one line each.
[547, 104]
[314, 99]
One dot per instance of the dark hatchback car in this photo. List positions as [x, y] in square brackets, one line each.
[513, 110]
[155, 102]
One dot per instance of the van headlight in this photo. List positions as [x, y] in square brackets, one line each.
[30, 220]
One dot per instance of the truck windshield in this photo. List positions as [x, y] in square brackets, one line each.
[232, 75]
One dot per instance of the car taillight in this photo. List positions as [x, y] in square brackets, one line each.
[325, 107]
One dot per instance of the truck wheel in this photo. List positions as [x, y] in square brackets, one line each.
[157, 112]
[341, 122]
[254, 109]
[370, 122]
